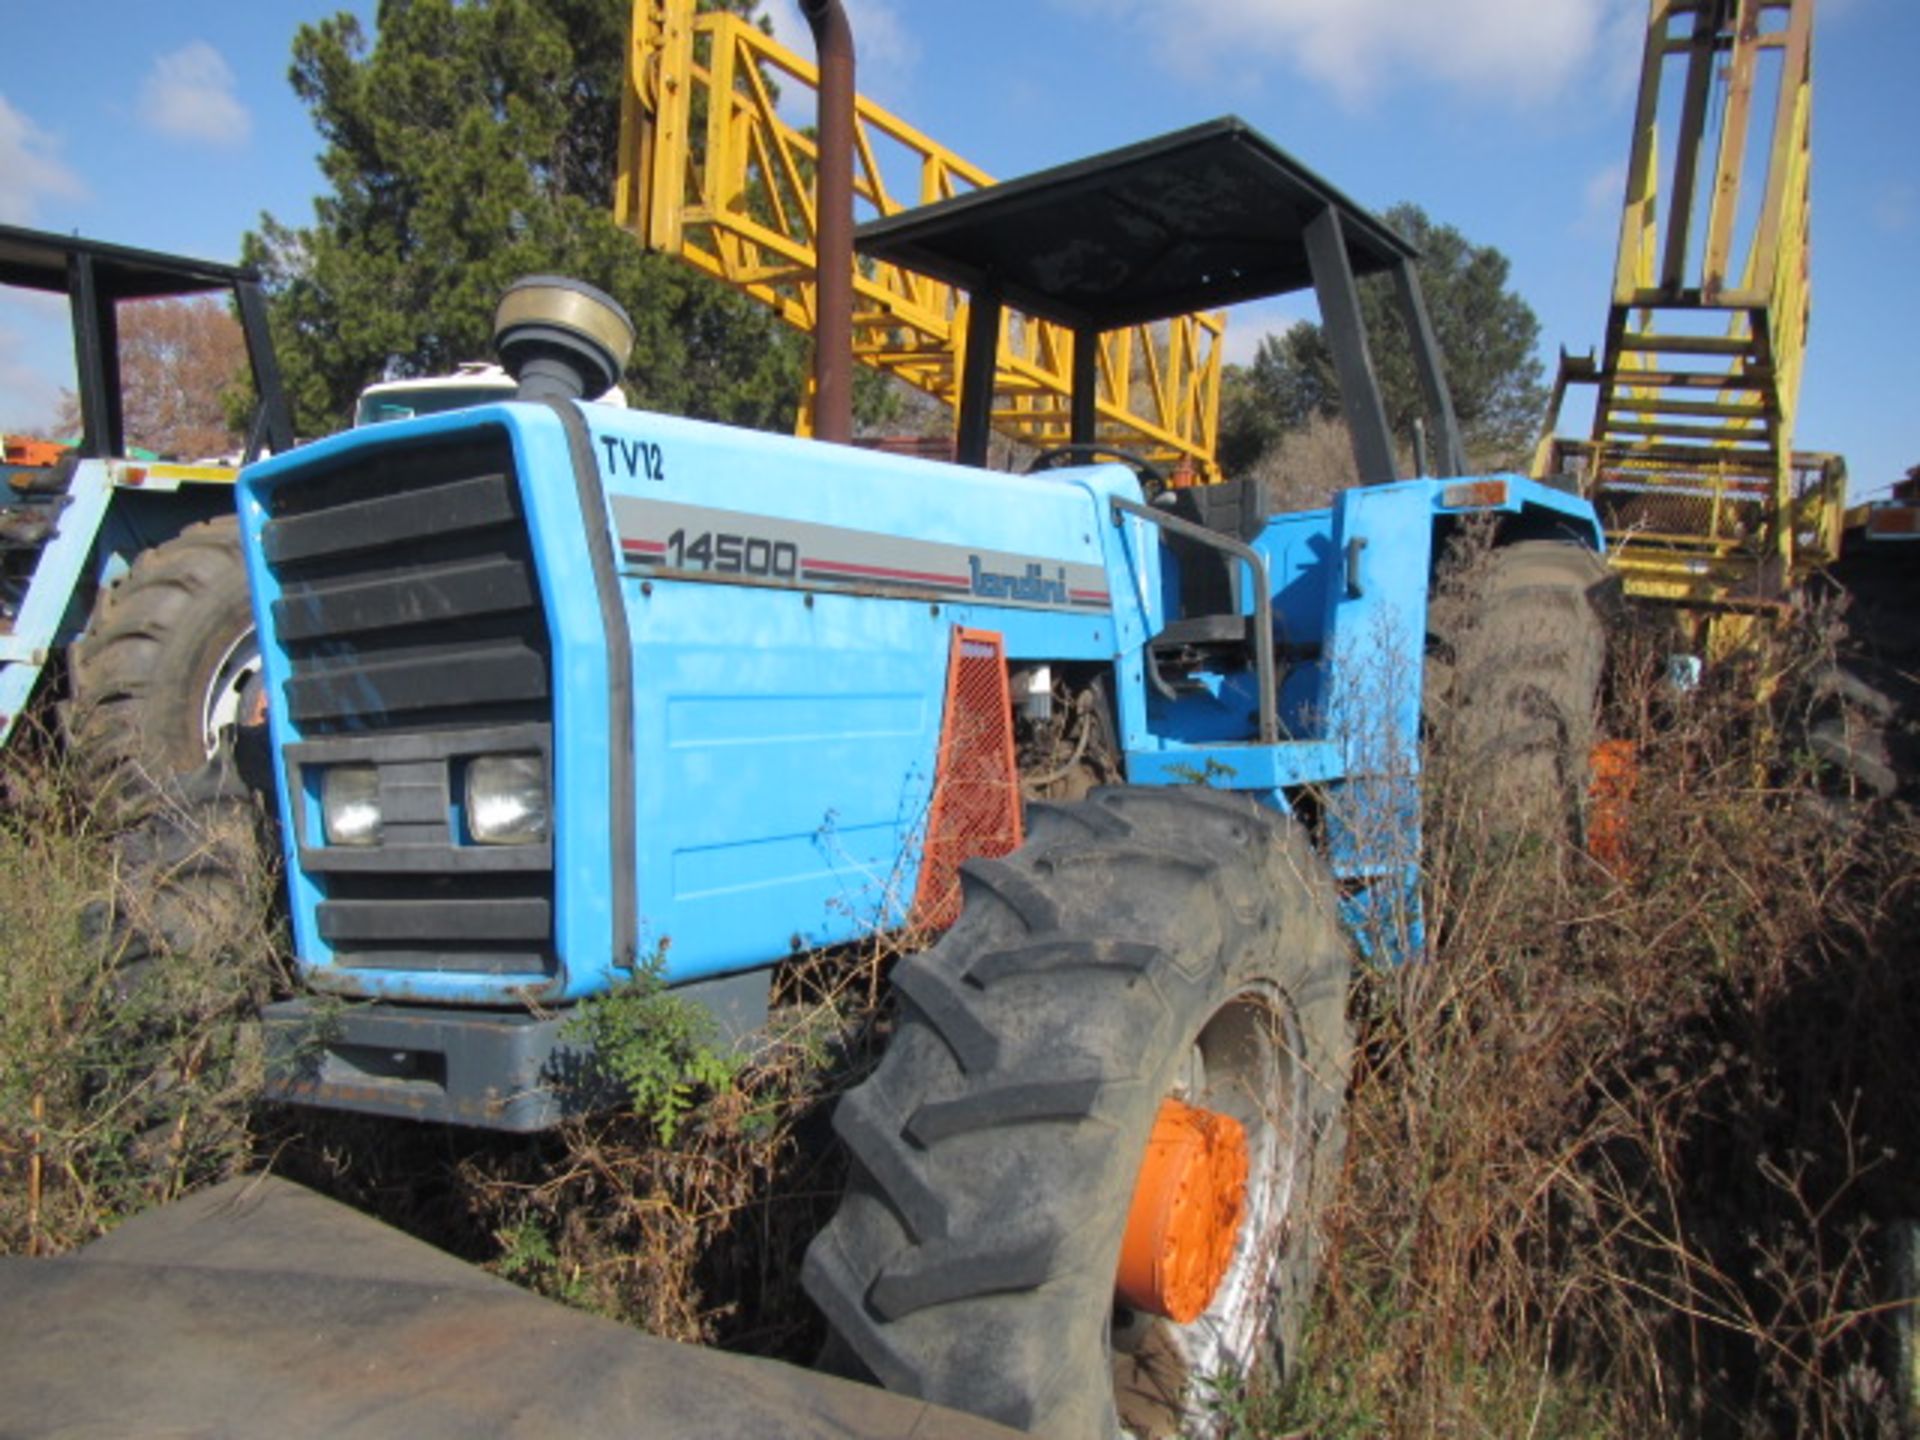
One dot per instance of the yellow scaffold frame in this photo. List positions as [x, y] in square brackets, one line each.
[712, 171]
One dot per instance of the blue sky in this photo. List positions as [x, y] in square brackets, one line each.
[1507, 118]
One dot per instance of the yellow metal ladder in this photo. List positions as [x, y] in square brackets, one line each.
[1691, 458]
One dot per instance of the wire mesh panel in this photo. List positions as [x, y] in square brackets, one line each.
[976, 792]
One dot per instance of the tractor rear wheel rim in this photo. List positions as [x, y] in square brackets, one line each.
[1241, 1065]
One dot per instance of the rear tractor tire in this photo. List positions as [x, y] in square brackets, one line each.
[1144, 947]
[1856, 732]
[168, 664]
[1513, 683]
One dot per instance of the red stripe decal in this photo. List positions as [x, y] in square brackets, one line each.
[839, 567]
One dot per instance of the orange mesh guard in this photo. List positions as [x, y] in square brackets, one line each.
[976, 789]
[1185, 1217]
[1615, 767]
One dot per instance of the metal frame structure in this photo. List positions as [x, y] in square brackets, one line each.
[1207, 216]
[1691, 457]
[95, 277]
[712, 171]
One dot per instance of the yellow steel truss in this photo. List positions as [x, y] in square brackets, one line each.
[1691, 458]
[713, 171]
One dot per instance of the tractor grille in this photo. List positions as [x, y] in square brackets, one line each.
[411, 619]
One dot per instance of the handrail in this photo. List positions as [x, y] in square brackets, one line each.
[1264, 669]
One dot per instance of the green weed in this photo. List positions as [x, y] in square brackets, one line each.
[660, 1049]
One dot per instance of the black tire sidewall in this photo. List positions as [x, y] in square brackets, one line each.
[1513, 682]
[174, 714]
[141, 676]
[1238, 904]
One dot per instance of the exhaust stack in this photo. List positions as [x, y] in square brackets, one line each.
[833, 224]
[561, 339]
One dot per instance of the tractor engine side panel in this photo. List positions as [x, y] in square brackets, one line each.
[730, 649]
[792, 607]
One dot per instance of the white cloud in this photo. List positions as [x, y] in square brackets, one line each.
[30, 168]
[1896, 208]
[1252, 322]
[885, 51]
[1622, 48]
[189, 95]
[1506, 50]
[1604, 193]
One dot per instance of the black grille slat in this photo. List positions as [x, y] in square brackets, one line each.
[408, 596]
[504, 960]
[345, 922]
[408, 680]
[411, 619]
[363, 525]
[443, 595]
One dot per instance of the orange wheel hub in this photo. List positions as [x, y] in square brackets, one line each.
[1186, 1212]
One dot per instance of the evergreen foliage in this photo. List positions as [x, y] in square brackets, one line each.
[468, 144]
[1486, 332]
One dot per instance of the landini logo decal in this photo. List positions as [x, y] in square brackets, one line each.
[1033, 588]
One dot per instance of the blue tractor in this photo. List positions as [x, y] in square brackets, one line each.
[560, 692]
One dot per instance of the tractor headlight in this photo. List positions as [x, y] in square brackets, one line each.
[507, 799]
[350, 804]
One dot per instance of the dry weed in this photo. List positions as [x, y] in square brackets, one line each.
[699, 1241]
[128, 1061]
[1618, 1148]
[1307, 467]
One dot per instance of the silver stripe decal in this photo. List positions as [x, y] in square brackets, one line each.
[667, 538]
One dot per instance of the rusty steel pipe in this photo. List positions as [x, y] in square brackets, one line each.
[833, 224]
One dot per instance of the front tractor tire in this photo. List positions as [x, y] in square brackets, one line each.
[1143, 946]
[162, 675]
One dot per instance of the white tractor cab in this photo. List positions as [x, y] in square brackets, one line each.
[474, 383]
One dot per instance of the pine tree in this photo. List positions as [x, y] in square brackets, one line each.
[468, 144]
[1487, 336]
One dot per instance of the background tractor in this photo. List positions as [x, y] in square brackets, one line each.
[129, 567]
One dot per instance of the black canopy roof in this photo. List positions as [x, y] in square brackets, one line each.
[38, 261]
[1201, 218]
[96, 277]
